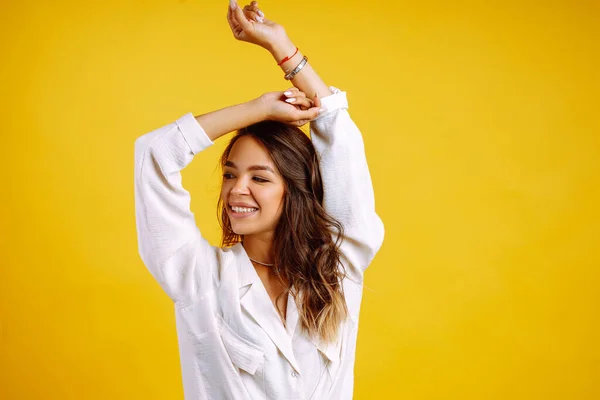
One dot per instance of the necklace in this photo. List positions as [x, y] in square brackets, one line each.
[261, 263]
[265, 264]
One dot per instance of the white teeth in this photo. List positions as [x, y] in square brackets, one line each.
[243, 209]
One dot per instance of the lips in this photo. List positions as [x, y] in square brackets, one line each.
[241, 212]
[240, 204]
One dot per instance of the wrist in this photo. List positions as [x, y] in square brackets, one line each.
[260, 109]
[281, 49]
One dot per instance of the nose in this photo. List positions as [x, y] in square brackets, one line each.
[240, 187]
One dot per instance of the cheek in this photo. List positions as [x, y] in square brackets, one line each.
[270, 199]
[277, 200]
[225, 188]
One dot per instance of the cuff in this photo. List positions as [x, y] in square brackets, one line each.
[193, 133]
[333, 102]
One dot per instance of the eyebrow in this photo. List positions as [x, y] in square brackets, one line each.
[252, 167]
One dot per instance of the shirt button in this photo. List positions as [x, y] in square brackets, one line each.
[294, 374]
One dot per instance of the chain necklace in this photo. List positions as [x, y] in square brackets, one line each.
[261, 263]
[265, 264]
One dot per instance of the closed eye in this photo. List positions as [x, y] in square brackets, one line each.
[229, 175]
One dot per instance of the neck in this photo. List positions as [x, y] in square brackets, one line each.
[259, 247]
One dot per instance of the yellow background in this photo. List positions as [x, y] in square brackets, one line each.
[481, 125]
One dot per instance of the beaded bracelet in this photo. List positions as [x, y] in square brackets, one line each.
[292, 74]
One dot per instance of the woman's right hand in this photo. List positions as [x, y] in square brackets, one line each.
[250, 25]
[291, 107]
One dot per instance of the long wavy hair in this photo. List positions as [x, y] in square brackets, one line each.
[307, 239]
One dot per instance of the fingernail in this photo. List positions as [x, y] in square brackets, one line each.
[290, 100]
[322, 109]
[261, 13]
[288, 93]
[232, 4]
[259, 19]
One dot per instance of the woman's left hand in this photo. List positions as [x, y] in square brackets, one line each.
[250, 25]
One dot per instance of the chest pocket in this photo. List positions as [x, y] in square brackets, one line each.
[244, 354]
[223, 361]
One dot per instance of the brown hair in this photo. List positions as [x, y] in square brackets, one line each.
[307, 239]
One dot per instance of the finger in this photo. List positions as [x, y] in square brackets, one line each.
[317, 101]
[233, 24]
[238, 15]
[298, 98]
[289, 92]
[294, 92]
[309, 114]
[301, 122]
[300, 93]
[300, 101]
[252, 14]
[255, 4]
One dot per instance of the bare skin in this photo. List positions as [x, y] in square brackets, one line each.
[274, 289]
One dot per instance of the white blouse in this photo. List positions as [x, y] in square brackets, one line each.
[232, 342]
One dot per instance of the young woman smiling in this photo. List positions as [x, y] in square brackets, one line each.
[272, 313]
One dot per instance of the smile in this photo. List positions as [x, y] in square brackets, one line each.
[242, 212]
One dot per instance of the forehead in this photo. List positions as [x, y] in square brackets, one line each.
[249, 151]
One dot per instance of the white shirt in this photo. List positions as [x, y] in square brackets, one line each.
[232, 342]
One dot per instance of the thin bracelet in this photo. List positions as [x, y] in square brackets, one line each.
[292, 74]
[288, 58]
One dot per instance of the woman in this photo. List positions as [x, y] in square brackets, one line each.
[273, 313]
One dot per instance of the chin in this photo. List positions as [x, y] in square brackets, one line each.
[242, 230]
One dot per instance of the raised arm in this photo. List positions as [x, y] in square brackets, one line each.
[250, 25]
[170, 244]
[348, 190]
[347, 183]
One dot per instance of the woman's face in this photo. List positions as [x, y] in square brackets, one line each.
[252, 189]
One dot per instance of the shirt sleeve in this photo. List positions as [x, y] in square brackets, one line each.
[348, 191]
[169, 242]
